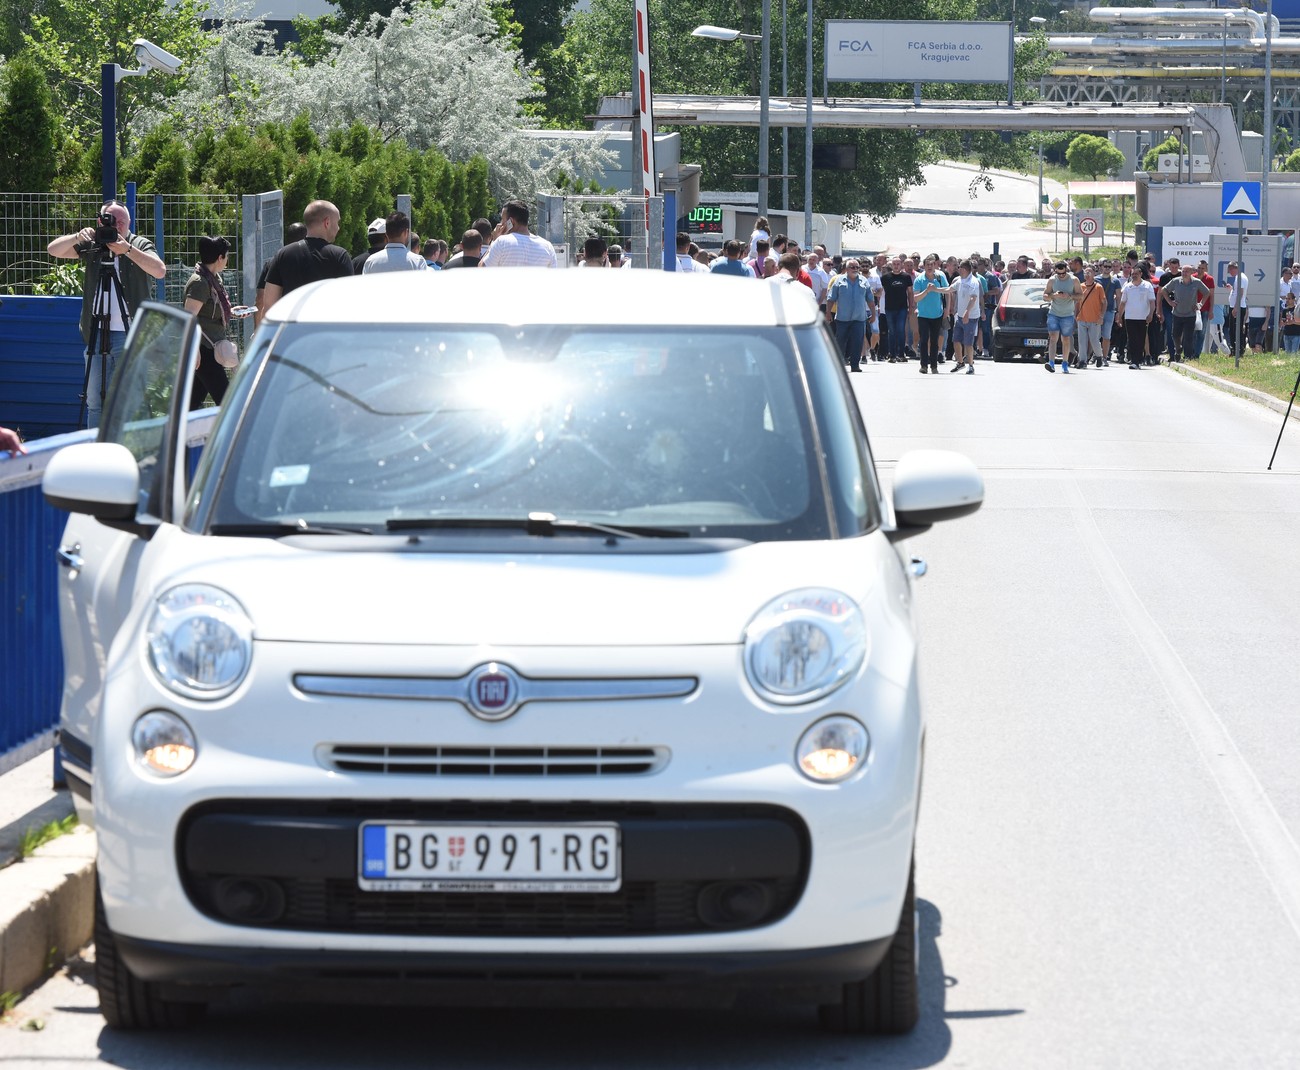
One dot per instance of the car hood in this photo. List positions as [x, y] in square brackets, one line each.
[323, 596]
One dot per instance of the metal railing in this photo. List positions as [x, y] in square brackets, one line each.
[173, 222]
[31, 655]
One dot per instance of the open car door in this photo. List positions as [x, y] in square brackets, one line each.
[104, 561]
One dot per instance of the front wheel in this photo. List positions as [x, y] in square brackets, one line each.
[125, 1001]
[887, 1002]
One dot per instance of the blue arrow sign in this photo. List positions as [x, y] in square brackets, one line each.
[1241, 200]
[1259, 275]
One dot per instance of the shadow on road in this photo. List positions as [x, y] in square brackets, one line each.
[760, 1033]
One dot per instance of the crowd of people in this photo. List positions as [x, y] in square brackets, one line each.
[932, 310]
[885, 308]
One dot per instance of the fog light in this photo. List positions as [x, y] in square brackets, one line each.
[832, 749]
[164, 744]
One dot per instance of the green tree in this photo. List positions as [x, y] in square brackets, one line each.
[72, 39]
[1292, 162]
[1093, 156]
[29, 128]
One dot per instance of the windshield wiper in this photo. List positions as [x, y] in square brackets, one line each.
[533, 524]
[289, 527]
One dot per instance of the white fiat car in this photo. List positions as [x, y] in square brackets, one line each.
[541, 631]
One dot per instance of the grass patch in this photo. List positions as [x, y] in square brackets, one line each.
[42, 834]
[1273, 373]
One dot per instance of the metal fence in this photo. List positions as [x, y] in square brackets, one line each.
[173, 222]
[571, 218]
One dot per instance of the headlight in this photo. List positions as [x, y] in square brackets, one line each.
[164, 744]
[200, 641]
[832, 749]
[804, 644]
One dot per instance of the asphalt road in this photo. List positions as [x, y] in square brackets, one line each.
[1107, 861]
[942, 216]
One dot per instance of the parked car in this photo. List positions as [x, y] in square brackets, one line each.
[1020, 323]
[551, 632]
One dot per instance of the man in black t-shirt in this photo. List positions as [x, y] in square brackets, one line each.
[896, 289]
[471, 244]
[1022, 270]
[311, 259]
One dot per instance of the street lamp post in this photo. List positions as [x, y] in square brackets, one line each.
[1038, 22]
[723, 33]
[1268, 117]
[785, 127]
[808, 132]
[150, 58]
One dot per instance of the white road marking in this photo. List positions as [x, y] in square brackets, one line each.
[1269, 839]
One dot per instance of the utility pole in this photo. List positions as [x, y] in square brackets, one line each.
[1268, 116]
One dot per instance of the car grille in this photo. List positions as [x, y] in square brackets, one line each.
[494, 761]
[300, 859]
[639, 907]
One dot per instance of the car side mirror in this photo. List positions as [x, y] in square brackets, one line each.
[930, 486]
[99, 478]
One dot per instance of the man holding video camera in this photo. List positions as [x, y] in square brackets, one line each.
[120, 269]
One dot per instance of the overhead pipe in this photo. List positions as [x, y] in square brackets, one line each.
[1168, 17]
[1102, 44]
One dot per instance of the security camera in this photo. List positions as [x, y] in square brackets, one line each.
[152, 57]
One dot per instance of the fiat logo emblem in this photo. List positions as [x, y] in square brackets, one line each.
[493, 692]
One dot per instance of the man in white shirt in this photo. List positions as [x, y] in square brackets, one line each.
[820, 278]
[514, 245]
[1238, 294]
[686, 263]
[396, 255]
[965, 316]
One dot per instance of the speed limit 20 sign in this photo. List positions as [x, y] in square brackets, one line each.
[1088, 224]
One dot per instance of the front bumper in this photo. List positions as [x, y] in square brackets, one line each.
[180, 964]
[262, 745]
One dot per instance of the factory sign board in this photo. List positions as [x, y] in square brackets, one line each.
[1261, 262]
[917, 51]
[1190, 245]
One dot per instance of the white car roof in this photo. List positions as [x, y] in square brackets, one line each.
[532, 295]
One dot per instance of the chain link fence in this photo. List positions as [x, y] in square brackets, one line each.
[173, 222]
[570, 219]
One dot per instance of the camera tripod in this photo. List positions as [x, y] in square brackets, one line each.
[1285, 417]
[108, 291]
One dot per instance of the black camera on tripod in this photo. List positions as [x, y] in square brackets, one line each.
[106, 233]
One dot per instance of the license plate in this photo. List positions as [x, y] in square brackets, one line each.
[1035, 341]
[451, 857]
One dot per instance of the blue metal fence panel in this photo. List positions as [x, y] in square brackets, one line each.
[41, 364]
[31, 653]
[31, 658]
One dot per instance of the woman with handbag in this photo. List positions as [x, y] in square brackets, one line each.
[205, 297]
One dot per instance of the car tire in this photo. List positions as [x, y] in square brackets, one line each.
[125, 1001]
[1000, 354]
[888, 1002]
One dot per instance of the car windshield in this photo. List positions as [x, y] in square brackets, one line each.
[706, 431]
[1025, 292]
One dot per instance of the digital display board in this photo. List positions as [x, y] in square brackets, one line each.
[705, 219]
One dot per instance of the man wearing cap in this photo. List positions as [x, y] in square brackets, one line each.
[377, 234]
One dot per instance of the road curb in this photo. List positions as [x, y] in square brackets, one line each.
[1229, 387]
[47, 909]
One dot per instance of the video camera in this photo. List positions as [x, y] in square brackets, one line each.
[106, 229]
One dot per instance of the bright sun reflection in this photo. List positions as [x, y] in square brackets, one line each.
[513, 394]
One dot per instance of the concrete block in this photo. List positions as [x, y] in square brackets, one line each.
[47, 907]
